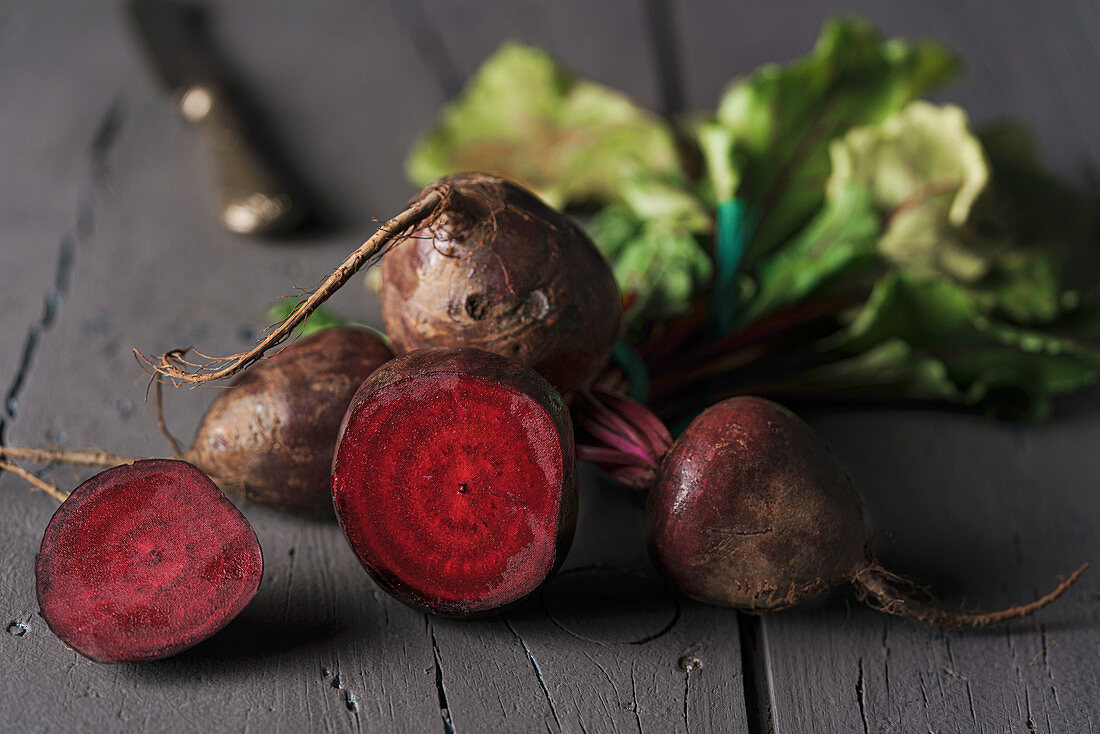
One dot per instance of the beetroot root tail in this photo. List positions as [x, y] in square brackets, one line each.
[885, 591]
[78, 457]
[162, 424]
[173, 367]
[40, 484]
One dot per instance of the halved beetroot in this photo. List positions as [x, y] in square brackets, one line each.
[145, 560]
[455, 480]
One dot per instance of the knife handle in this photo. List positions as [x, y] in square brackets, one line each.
[253, 198]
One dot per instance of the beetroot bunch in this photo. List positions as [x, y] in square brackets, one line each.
[451, 467]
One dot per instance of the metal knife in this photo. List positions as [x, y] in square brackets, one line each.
[255, 194]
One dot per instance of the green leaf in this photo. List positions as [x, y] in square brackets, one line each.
[659, 265]
[925, 170]
[838, 244]
[1050, 228]
[717, 144]
[666, 203]
[782, 117]
[985, 361]
[922, 153]
[525, 117]
[320, 319]
[892, 369]
[1024, 287]
[930, 177]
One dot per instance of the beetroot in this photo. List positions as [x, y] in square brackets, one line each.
[501, 271]
[145, 560]
[476, 261]
[271, 436]
[748, 509]
[454, 480]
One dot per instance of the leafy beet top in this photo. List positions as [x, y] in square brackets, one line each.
[456, 488]
[145, 560]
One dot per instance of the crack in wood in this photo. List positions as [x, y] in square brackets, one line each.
[687, 722]
[538, 672]
[103, 143]
[99, 152]
[754, 675]
[672, 599]
[634, 701]
[886, 656]
[441, 688]
[50, 310]
[290, 579]
[861, 697]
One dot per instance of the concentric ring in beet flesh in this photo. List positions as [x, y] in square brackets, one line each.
[454, 480]
[145, 560]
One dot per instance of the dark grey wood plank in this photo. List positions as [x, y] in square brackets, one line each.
[987, 515]
[50, 184]
[604, 647]
[607, 41]
[159, 273]
[92, 152]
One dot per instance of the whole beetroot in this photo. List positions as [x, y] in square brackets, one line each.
[270, 437]
[750, 510]
[747, 509]
[501, 271]
[476, 261]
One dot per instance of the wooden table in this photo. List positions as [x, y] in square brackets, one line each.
[107, 241]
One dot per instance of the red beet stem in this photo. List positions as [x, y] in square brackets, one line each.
[621, 436]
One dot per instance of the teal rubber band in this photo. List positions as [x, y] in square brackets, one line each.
[632, 365]
[733, 225]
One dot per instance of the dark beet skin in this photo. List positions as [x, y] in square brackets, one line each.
[751, 511]
[454, 480]
[145, 560]
[270, 437]
[501, 271]
[747, 509]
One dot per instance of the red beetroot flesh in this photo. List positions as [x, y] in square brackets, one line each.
[145, 560]
[456, 490]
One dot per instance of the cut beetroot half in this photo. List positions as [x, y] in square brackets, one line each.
[454, 480]
[145, 560]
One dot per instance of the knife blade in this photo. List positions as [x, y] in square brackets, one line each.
[255, 193]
